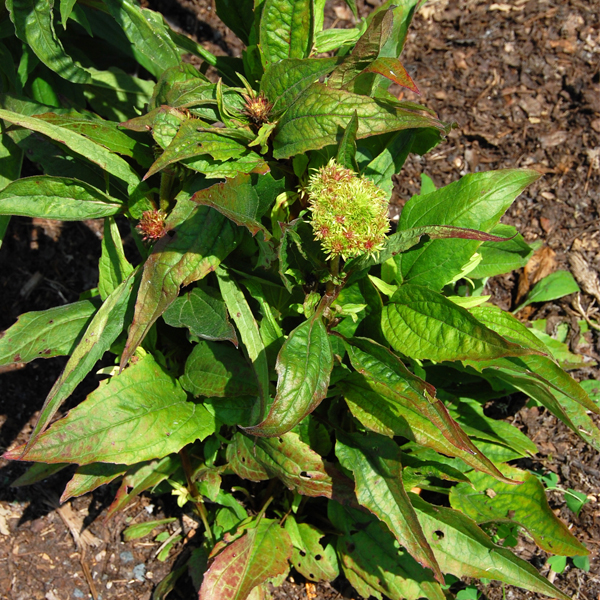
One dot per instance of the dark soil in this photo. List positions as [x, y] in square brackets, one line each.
[522, 81]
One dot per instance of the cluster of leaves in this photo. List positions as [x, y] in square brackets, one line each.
[354, 387]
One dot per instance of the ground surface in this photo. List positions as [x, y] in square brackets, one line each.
[521, 80]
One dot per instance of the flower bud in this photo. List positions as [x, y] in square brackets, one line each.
[152, 224]
[349, 213]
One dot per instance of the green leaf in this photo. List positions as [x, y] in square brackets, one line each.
[66, 8]
[489, 500]
[320, 114]
[554, 286]
[373, 563]
[150, 40]
[386, 398]
[46, 333]
[56, 198]
[427, 185]
[293, 462]
[138, 415]
[204, 313]
[390, 160]
[470, 416]
[236, 199]
[139, 530]
[117, 96]
[90, 477]
[498, 258]
[366, 50]
[218, 370]
[331, 39]
[309, 558]
[476, 201]
[113, 267]
[234, 411]
[33, 21]
[575, 501]
[285, 30]
[200, 243]
[102, 331]
[285, 80]
[464, 550]
[194, 140]
[423, 324]
[238, 16]
[142, 477]
[79, 144]
[235, 569]
[375, 462]
[242, 315]
[346, 155]
[557, 563]
[37, 472]
[103, 132]
[303, 368]
[582, 562]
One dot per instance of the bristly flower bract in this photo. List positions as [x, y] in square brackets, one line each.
[349, 212]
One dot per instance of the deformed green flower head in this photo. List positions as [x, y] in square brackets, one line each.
[349, 213]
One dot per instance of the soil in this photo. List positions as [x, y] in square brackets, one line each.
[521, 80]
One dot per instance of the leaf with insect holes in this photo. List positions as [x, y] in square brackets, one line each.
[372, 561]
[200, 243]
[487, 500]
[375, 462]
[304, 366]
[463, 549]
[309, 557]
[46, 333]
[238, 567]
[137, 415]
[291, 460]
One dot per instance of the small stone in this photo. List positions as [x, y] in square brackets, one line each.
[78, 593]
[126, 556]
[139, 572]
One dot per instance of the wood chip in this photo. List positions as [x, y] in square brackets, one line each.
[586, 277]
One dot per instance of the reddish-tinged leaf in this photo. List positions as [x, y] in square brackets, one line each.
[140, 478]
[137, 415]
[200, 243]
[237, 200]
[392, 69]
[90, 477]
[261, 553]
[375, 462]
[304, 366]
[291, 460]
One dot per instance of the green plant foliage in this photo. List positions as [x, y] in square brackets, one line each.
[339, 376]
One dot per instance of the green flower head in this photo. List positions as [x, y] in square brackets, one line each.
[349, 213]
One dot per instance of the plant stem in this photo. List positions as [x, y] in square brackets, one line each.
[199, 505]
[166, 181]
